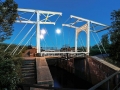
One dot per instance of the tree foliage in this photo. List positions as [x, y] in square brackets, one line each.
[8, 14]
[105, 41]
[115, 35]
[10, 68]
[10, 73]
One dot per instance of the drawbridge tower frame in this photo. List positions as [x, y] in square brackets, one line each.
[86, 27]
[46, 20]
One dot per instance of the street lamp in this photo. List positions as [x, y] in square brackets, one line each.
[58, 31]
[41, 36]
[43, 31]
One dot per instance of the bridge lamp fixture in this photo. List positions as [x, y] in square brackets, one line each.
[41, 36]
[58, 31]
[43, 31]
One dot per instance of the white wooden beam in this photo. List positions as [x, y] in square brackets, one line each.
[86, 20]
[32, 22]
[40, 11]
[67, 25]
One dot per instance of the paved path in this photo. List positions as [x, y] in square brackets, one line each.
[44, 77]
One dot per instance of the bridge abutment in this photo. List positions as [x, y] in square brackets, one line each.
[95, 70]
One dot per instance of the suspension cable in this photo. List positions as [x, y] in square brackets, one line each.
[101, 44]
[22, 13]
[51, 40]
[81, 45]
[62, 34]
[14, 51]
[67, 20]
[63, 30]
[16, 37]
[57, 18]
[18, 33]
[72, 38]
[56, 40]
[22, 40]
[49, 35]
[45, 42]
[69, 34]
[55, 36]
[82, 42]
[100, 41]
[23, 18]
[27, 42]
[47, 31]
[96, 43]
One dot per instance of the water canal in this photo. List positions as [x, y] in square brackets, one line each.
[64, 79]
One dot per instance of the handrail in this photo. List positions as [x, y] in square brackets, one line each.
[102, 82]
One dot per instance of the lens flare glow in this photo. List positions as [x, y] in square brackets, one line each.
[43, 31]
[41, 37]
[58, 31]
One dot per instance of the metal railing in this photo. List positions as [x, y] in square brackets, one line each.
[107, 80]
[70, 54]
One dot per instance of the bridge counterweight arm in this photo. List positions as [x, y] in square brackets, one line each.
[83, 19]
[34, 22]
[39, 11]
[67, 25]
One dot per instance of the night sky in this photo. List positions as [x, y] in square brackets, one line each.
[96, 10]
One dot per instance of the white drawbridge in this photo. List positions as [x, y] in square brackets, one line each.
[87, 27]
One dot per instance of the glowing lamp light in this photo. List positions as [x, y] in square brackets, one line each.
[58, 31]
[41, 37]
[43, 31]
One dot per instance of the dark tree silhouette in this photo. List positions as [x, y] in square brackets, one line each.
[115, 35]
[8, 14]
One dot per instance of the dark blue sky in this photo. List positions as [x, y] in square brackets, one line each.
[97, 10]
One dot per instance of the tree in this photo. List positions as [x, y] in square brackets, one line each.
[115, 35]
[10, 75]
[8, 14]
[9, 67]
[105, 41]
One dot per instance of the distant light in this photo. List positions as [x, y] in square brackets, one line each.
[41, 36]
[43, 31]
[58, 31]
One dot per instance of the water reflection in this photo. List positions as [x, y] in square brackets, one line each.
[64, 79]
